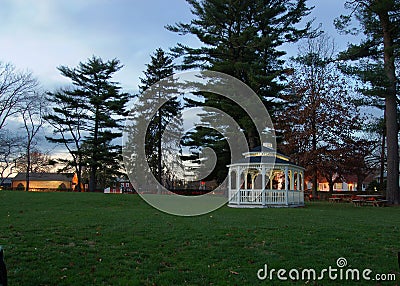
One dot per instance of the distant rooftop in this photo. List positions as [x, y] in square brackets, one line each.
[44, 177]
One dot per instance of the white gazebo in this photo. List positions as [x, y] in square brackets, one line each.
[265, 178]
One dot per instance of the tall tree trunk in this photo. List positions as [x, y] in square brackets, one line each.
[28, 166]
[313, 150]
[159, 151]
[392, 189]
[360, 180]
[383, 157]
[93, 165]
[331, 184]
[315, 183]
[79, 175]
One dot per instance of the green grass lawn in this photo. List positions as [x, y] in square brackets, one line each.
[97, 239]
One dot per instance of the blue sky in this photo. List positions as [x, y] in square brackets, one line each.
[40, 35]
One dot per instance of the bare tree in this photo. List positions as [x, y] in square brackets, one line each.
[39, 162]
[320, 114]
[68, 122]
[32, 110]
[10, 148]
[14, 86]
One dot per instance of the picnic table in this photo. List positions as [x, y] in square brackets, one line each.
[374, 200]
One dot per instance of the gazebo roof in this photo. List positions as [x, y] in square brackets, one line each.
[264, 154]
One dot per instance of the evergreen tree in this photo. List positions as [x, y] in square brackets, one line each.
[160, 146]
[101, 105]
[379, 21]
[68, 118]
[241, 39]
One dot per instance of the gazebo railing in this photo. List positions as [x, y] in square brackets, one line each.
[266, 197]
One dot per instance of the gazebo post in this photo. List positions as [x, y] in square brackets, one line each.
[291, 180]
[238, 171]
[229, 183]
[298, 181]
[263, 185]
[245, 179]
[286, 185]
[270, 179]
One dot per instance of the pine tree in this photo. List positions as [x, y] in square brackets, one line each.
[101, 105]
[241, 39]
[68, 119]
[379, 21]
[161, 145]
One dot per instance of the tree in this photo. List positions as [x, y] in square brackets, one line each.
[360, 158]
[320, 115]
[379, 21]
[39, 162]
[68, 119]
[16, 90]
[10, 149]
[14, 87]
[102, 103]
[32, 111]
[241, 39]
[167, 117]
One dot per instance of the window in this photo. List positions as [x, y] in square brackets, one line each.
[338, 186]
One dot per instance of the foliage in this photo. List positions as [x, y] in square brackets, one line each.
[379, 22]
[163, 132]
[320, 120]
[68, 119]
[95, 105]
[241, 39]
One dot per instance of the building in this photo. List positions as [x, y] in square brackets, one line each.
[344, 183]
[120, 186]
[5, 183]
[46, 181]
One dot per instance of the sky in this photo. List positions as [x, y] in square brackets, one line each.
[40, 35]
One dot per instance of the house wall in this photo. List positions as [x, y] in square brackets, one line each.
[339, 187]
[42, 184]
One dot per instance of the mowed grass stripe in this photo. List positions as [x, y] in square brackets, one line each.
[97, 239]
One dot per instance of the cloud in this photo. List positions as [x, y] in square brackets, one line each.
[43, 34]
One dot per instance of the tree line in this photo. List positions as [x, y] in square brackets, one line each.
[314, 98]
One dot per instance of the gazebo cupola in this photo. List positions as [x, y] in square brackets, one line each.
[265, 178]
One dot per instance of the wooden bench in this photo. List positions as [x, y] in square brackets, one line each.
[379, 203]
[334, 200]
